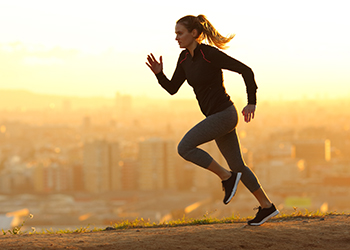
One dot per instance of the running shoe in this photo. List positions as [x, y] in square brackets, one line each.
[263, 215]
[230, 186]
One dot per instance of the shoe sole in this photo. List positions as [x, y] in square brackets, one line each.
[265, 219]
[238, 177]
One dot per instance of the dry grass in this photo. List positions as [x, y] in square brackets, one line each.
[142, 223]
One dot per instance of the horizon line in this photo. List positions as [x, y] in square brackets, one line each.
[317, 97]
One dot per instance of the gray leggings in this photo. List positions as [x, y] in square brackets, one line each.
[220, 127]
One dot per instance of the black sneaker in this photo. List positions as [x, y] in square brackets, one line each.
[263, 215]
[230, 186]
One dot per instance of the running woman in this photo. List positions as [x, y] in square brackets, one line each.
[201, 65]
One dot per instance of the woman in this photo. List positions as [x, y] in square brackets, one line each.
[201, 65]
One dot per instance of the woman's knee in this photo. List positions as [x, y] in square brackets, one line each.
[182, 150]
[238, 166]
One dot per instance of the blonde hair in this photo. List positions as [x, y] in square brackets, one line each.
[206, 30]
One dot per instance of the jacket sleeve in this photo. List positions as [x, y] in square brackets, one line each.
[173, 85]
[223, 61]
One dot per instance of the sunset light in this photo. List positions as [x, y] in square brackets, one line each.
[88, 48]
[97, 131]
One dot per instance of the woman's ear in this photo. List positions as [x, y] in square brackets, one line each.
[195, 33]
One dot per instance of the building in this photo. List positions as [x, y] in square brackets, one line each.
[123, 104]
[158, 161]
[129, 173]
[51, 177]
[77, 178]
[280, 172]
[312, 150]
[101, 166]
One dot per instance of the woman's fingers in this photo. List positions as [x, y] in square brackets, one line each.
[248, 113]
[154, 59]
[247, 118]
[153, 64]
[148, 65]
[150, 59]
[250, 116]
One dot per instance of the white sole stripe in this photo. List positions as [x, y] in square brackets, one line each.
[265, 219]
[238, 177]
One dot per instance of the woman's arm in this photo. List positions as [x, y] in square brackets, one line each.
[171, 86]
[223, 61]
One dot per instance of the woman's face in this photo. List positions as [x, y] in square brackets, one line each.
[184, 37]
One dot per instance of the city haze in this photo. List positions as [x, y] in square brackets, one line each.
[73, 161]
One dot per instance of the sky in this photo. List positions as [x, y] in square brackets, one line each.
[297, 49]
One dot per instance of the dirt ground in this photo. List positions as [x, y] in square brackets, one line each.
[331, 232]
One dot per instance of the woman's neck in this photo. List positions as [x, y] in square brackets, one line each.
[192, 47]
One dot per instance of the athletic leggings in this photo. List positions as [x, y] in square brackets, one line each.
[220, 127]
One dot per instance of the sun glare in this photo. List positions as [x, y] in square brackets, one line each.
[76, 41]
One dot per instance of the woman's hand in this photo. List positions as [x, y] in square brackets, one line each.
[248, 112]
[154, 65]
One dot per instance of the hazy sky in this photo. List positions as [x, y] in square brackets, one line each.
[84, 48]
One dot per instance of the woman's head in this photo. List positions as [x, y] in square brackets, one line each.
[186, 38]
[201, 29]
[191, 23]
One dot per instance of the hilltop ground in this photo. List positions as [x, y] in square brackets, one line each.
[331, 232]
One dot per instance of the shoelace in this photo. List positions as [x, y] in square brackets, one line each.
[223, 186]
[257, 208]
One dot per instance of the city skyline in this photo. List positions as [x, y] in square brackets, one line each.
[50, 156]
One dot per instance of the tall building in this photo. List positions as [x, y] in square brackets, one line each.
[277, 173]
[312, 150]
[130, 174]
[101, 169]
[115, 178]
[157, 164]
[38, 178]
[77, 177]
[171, 165]
[123, 104]
[51, 177]
[86, 123]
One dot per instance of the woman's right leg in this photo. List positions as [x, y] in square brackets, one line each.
[210, 128]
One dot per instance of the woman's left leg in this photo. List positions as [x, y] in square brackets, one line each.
[230, 148]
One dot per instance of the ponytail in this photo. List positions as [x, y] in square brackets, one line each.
[206, 30]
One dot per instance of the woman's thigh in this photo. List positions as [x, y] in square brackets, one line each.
[212, 127]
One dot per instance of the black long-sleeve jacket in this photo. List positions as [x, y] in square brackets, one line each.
[203, 72]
